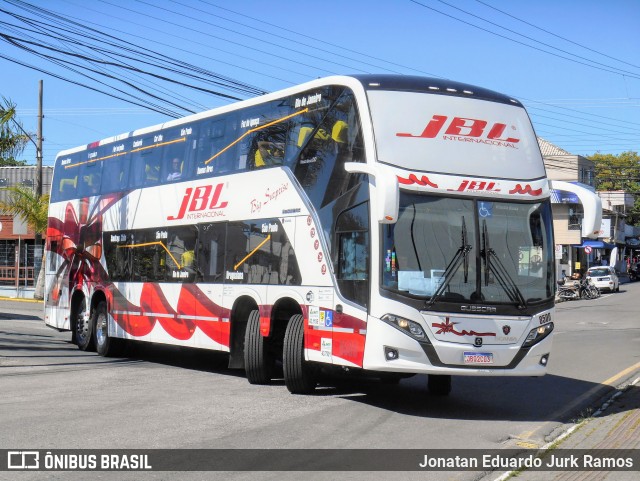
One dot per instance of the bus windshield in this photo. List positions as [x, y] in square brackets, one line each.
[469, 250]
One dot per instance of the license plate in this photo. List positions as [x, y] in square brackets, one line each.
[478, 357]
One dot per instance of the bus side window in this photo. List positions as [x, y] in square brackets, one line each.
[267, 147]
[145, 167]
[67, 187]
[115, 174]
[176, 158]
[352, 232]
[118, 256]
[151, 169]
[90, 177]
[180, 255]
[210, 252]
[217, 147]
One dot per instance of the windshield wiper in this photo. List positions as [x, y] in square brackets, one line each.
[460, 257]
[502, 275]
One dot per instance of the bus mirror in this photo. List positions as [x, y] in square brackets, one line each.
[591, 205]
[386, 190]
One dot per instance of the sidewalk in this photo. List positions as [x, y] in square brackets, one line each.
[616, 425]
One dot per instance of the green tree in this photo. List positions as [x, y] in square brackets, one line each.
[23, 202]
[620, 172]
[13, 140]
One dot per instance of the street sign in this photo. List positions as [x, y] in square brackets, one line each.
[587, 249]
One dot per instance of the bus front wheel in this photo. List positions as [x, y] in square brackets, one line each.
[258, 361]
[299, 375]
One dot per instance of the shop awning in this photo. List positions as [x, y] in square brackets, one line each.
[595, 244]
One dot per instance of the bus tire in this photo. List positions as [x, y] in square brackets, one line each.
[439, 384]
[82, 327]
[299, 375]
[105, 346]
[258, 362]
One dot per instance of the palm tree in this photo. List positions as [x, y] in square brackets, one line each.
[12, 142]
[23, 202]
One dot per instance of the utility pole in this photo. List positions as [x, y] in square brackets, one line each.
[37, 244]
[39, 146]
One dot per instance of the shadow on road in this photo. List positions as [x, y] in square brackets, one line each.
[541, 399]
[19, 317]
[549, 398]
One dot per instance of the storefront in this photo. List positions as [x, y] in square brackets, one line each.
[593, 253]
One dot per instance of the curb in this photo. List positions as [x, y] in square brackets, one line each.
[565, 434]
[20, 299]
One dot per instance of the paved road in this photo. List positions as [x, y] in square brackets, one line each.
[55, 397]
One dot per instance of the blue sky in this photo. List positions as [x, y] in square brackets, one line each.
[583, 96]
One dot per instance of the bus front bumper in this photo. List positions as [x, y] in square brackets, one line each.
[390, 350]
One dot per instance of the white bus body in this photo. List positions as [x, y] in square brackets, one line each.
[391, 224]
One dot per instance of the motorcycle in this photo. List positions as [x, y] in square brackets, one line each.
[577, 290]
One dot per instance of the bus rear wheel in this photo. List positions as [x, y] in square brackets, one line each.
[82, 334]
[299, 375]
[439, 384]
[259, 362]
[105, 345]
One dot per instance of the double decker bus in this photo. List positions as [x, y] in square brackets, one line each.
[395, 225]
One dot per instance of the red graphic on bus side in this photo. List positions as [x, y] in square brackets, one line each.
[518, 189]
[413, 179]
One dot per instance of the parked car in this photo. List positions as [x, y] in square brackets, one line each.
[604, 278]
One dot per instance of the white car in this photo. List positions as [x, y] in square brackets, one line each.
[604, 277]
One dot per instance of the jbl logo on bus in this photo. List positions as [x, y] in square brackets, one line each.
[463, 127]
[200, 201]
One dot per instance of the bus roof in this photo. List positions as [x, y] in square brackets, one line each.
[439, 86]
[367, 81]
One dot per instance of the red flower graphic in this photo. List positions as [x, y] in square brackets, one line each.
[449, 327]
[78, 239]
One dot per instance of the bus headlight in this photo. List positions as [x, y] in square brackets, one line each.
[538, 334]
[411, 328]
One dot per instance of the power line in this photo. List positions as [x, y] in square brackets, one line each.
[556, 35]
[167, 64]
[216, 37]
[322, 41]
[191, 41]
[38, 69]
[608, 69]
